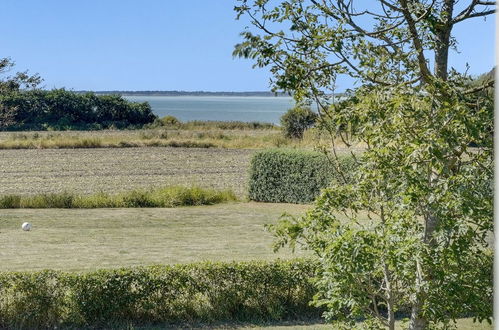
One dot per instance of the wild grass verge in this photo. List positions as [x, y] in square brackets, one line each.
[164, 197]
[192, 137]
[75, 143]
[172, 122]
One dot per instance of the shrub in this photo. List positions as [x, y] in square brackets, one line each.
[291, 176]
[170, 121]
[60, 109]
[296, 121]
[202, 292]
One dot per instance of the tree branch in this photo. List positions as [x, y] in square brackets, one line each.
[423, 67]
[480, 88]
[468, 12]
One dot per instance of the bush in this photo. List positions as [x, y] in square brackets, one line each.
[291, 176]
[296, 121]
[169, 121]
[61, 109]
[202, 292]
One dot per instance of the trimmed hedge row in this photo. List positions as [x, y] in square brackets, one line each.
[291, 176]
[180, 294]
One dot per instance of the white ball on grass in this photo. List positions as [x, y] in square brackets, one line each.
[26, 226]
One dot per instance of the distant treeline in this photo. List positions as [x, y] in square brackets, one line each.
[187, 93]
[61, 109]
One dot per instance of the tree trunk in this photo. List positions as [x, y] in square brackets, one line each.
[442, 39]
[442, 53]
[391, 317]
[417, 322]
[389, 302]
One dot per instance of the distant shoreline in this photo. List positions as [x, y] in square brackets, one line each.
[192, 93]
[187, 93]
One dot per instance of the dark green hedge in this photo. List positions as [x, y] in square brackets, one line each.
[62, 109]
[180, 294]
[291, 176]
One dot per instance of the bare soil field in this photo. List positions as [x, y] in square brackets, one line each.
[33, 171]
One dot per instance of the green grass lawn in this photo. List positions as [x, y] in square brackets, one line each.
[462, 324]
[90, 239]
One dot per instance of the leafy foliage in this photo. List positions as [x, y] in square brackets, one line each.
[17, 82]
[204, 292]
[425, 176]
[169, 121]
[389, 260]
[61, 109]
[291, 176]
[296, 121]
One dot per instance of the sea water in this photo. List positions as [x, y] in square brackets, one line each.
[224, 108]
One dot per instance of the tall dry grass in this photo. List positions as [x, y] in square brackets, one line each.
[163, 197]
[159, 137]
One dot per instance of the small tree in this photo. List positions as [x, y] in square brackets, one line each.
[21, 80]
[11, 84]
[411, 233]
[296, 121]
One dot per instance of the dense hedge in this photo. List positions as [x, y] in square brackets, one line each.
[291, 176]
[203, 292]
[62, 109]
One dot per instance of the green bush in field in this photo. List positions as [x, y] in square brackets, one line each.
[291, 176]
[170, 121]
[194, 293]
[296, 120]
[161, 197]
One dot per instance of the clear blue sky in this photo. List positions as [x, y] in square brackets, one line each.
[157, 44]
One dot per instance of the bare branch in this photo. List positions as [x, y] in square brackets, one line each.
[469, 12]
[480, 88]
[391, 6]
[480, 14]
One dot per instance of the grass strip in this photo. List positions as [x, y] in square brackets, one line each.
[174, 196]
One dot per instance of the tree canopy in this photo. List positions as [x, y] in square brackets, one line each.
[410, 234]
[23, 105]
